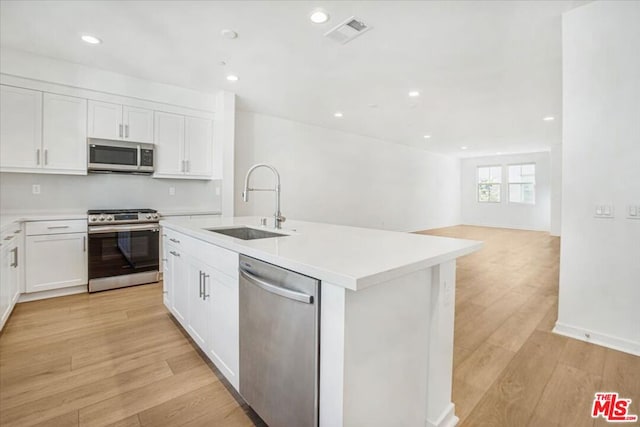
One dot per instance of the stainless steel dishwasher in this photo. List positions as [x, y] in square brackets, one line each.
[279, 343]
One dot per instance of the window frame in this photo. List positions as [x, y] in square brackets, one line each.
[499, 184]
[521, 184]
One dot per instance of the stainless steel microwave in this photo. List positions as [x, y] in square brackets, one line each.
[118, 156]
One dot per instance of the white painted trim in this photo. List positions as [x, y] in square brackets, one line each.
[41, 170]
[53, 293]
[598, 338]
[477, 224]
[447, 419]
[79, 92]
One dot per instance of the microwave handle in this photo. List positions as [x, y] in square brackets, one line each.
[138, 156]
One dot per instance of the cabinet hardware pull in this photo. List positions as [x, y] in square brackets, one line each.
[126, 131]
[165, 292]
[38, 156]
[165, 259]
[174, 240]
[120, 130]
[9, 237]
[188, 165]
[205, 295]
[53, 227]
[15, 257]
[174, 253]
[17, 232]
[46, 156]
[200, 284]
[84, 243]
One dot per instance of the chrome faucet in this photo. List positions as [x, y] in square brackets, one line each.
[277, 216]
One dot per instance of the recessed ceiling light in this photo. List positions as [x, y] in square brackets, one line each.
[337, 114]
[464, 147]
[427, 136]
[414, 93]
[87, 38]
[232, 78]
[549, 119]
[319, 16]
[228, 34]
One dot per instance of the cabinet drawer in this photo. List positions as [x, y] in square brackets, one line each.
[221, 259]
[56, 227]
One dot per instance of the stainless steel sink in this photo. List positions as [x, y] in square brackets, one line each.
[245, 233]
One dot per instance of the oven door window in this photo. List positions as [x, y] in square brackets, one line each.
[123, 252]
[102, 154]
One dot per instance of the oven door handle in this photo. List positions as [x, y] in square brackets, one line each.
[119, 228]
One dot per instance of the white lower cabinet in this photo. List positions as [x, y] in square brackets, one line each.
[10, 268]
[56, 253]
[201, 285]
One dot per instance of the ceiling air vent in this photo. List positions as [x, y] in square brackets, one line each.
[347, 30]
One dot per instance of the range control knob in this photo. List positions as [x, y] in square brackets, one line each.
[155, 216]
[148, 216]
[93, 218]
[110, 218]
[102, 218]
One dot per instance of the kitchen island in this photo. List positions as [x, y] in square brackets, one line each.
[386, 311]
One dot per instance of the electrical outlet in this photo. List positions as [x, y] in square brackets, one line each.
[633, 211]
[35, 189]
[172, 191]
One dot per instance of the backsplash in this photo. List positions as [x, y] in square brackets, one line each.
[103, 191]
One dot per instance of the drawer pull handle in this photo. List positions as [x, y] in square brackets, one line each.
[174, 240]
[174, 253]
[53, 227]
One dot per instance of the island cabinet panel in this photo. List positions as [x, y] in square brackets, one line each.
[201, 285]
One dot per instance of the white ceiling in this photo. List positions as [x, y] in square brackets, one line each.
[487, 71]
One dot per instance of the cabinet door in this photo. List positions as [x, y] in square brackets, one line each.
[56, 261]
[5, 271]
[64, 133]
[138, 124]
[224, 343]
[20, 128]
[105, 120]
[199, 303]
[166, 261]
[199, 147]
[180, 285]
[169, 140]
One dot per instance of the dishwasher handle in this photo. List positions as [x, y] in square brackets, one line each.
[275, 289]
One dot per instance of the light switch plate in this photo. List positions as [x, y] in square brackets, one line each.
[35, 189]
[633, 211]
[604, 211]
[172, 191]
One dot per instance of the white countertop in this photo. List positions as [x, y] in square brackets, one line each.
[352, 257]
[8, 218]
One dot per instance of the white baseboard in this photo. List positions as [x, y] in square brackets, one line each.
[598, 338]
[52, 293]
[509, 227]
[446, 419]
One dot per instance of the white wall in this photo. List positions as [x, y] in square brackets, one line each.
[505, 214]
[342, 178]
[72, 193]
[600, 258]
[556, 190]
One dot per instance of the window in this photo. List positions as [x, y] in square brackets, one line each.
[489, 184]
[522, 184]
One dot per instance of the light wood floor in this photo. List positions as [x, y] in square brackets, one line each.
[116, 358]
[509, 369]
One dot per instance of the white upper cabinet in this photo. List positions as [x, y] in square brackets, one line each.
[20, 128]
[120, 122]
[184, 146]
[105, 120]
[169, 140]
[199, 146]
[138, 124]
[64, 134]
[42, 132]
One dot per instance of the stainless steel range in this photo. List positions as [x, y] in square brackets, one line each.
[123, 248]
